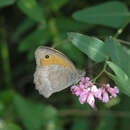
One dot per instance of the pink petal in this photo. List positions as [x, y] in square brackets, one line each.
[98, 94]
[83, 98]
[75, 90]
[91, 100]
[87, 79]
[94, 89]
[107, 86]
[81, 86]
[83, 80]
[116, 90]
[105, 97]
[113, 91]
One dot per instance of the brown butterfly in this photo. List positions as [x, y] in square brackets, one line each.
[54, 71]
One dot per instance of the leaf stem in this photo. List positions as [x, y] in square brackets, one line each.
[110, 75]
[121, 29]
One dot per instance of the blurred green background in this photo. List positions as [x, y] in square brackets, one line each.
[27, 24]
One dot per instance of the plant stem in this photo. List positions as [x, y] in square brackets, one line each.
[121, 29]
[84, 113]
[54, 31]
[55, 34]
[101, 72]
[110, 75]
[5, 56]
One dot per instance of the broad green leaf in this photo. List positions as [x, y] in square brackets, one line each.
[80, 124]
[33, 115]
[22, 28]
[31, 9]
[4, 3]
[57, 4]
[8, 126]
[67, 24]
[107, 122]
[119, 55]
[74, 54]
[6, 100]
[121, 78]
[93, 47]
[113, 14]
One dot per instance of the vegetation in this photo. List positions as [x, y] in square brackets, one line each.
[93, 34]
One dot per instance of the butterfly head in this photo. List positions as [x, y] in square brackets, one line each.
[47, 56]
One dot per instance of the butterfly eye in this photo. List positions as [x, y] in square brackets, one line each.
[46, 56]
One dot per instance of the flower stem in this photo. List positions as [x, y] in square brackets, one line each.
[101, 72]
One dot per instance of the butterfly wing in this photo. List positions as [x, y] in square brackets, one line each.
[54, 73]
[53, 78]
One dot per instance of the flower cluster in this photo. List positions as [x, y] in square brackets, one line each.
[87, 92]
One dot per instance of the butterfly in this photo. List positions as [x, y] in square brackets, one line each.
[54, 71]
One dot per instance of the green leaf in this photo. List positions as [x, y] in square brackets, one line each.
[57, 4]
[33, 115]
[31, 9]
[113, 14]
[93, 47]
[108, 121]
[74, 54]
[6, 100]
[71, 51]
[68, 24]
[39, 37]
[22, 28]
[8, 126]
[4, 3]
[6, 97]
[121, 78]
[119, 55]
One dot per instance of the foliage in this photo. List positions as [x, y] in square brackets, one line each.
[113, 14]
[79, 29]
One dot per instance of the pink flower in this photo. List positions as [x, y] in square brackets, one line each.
[105, 97]
[78, 90]
[87, 92]
[86, 81]
[75, 90]
[91, 100]
[94, 90]
[99, 94]
[105, 90]
[83, 97]
[113, 91]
